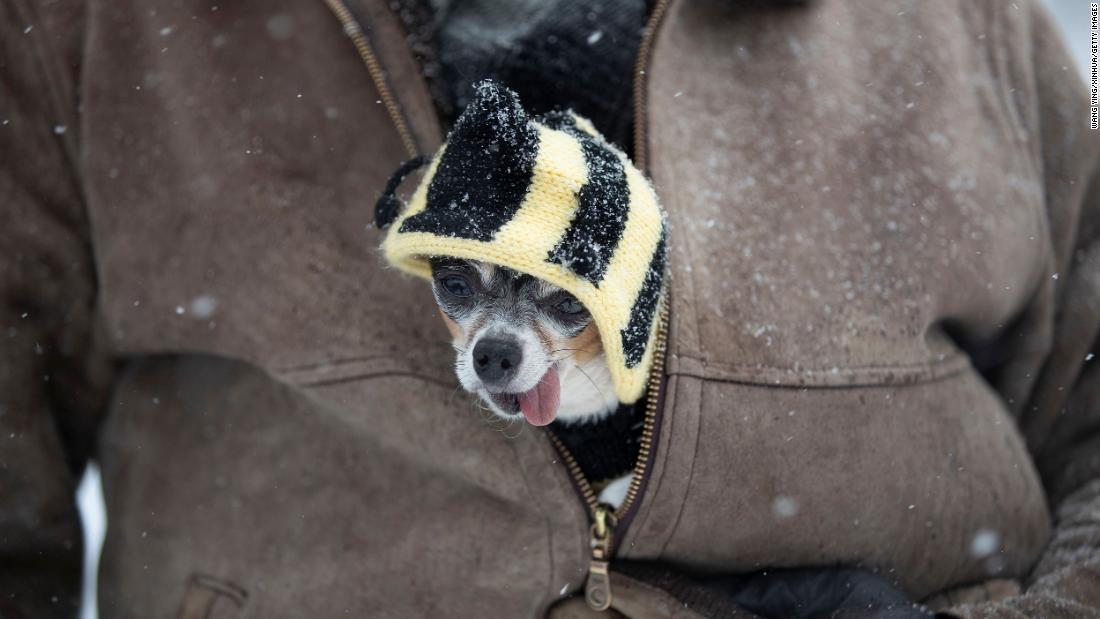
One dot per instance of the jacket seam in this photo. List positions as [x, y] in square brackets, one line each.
[691, 474]
[350, 369]
[351, 378]
[944, 360]
[317, 365]
[851, 376]
[656, 482]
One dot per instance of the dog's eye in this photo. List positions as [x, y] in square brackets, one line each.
[570, 306]
[456, 285]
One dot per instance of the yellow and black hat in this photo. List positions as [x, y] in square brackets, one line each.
[549, 197]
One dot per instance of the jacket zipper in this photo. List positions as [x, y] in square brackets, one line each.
[605, 519]
[641, 69]
[602, 532]
[377, 75]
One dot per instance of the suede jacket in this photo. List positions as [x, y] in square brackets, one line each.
[885, 297]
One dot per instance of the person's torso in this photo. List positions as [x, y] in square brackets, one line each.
[289, 423]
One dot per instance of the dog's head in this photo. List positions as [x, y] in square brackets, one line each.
[525, 347]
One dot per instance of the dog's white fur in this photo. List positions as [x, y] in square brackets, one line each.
[535, 363]
[586, 390]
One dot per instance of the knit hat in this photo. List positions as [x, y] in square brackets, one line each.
[549, 197]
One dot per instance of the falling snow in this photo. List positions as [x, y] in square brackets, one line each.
[280, 27]
[984, 543]
[784, 506]
[203, 306]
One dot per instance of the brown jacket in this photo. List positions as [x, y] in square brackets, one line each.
[885, 287]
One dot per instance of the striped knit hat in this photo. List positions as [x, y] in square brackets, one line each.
[549, 197]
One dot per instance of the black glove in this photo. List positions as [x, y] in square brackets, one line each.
[818, 593]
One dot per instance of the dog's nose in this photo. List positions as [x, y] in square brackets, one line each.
[496, 360]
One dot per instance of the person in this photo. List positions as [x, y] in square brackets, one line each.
[883, 267]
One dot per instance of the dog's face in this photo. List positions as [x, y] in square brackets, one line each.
[525, 347]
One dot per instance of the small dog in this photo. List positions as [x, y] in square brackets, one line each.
[527, 348]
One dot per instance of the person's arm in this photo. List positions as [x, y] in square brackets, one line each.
[1059, 406]
[1062, 423]
[51, 383]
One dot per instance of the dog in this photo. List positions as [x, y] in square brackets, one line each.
[528, 349]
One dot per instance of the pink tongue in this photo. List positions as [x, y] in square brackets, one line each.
[540, 404]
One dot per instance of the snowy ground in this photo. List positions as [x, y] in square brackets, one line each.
[89, 498]
[1072, 16]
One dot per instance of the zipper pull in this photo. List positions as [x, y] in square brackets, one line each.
[597, 590]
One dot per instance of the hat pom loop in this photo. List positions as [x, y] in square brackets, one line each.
[388, 206]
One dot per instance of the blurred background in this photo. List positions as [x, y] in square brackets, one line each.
[1072, 16]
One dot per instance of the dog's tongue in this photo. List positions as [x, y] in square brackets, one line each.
[540, 404]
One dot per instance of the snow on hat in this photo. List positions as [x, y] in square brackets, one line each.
[549, 197]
